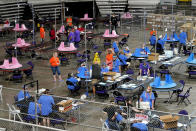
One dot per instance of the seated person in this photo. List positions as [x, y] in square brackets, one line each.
[160, 45]
[127, 51]
[74, 81]
[148, 96]
[144, 69]
[22, 94]
[144, 50]
[123, 60]
[115, 47]
[31, 110]
[116, 65]
[112, 111]
[104, 68]
[83, 71]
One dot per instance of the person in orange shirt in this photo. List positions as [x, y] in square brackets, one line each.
[152, 32]
[54, 62]
[69, 21]
[109, 58]
[42, 33]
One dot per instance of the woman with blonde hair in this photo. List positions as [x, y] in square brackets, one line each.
[148, 96]
[109, 58]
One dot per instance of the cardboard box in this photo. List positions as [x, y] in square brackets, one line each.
[153, 57]
[169, 121]
[65, 105]
[109, 76]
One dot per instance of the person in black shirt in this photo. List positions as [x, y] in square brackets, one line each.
[114, 22]
[111, 112]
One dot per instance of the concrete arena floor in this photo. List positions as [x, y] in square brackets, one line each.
[42, 72]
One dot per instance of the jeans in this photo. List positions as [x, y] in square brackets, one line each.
[55, 69]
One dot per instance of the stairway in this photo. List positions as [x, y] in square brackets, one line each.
[111, 6]
[12, 10]
[137, 7]
[46, 8]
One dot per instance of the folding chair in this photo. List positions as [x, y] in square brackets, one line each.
[185, 96]
[119, 97]
[14, 111]
[177, 92]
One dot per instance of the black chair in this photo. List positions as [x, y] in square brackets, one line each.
[119, 97]
[29, 72]
[185, 96]
[177, 92]
[101, 92]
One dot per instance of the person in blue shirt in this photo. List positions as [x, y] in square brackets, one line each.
[144, 50]
[148, 96]
[153, 41]
[76, 36]
[22, 94]
[160, 45]
[71, 36]
[126, 51]
[74, 81]
[83, 71]
[122, 58]
[182, 41]
[46, 103]
[115, 47]
[32, 112]
[116, 65]
[144, 69]
[104, 68]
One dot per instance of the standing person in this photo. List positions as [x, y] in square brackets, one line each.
[114, 22]
[54, 61]
[182, 40]
[52, 34]
[77, 36]
[152, 32]
[42, 33]
[148, 96]
[69, 21]
[70, 36]
[46, 102]
[115, 47]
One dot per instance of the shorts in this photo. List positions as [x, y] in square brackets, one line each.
[55, 69]
[94, 81]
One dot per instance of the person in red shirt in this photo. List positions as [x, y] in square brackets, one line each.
[80, 28]
[55, 62]
[52, 34]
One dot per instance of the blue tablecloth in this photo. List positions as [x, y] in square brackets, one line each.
[163, 85]
[141, 126]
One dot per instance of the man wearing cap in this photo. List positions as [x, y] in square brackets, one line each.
[82, 71]
[182, 40]
[116, 65]
[46, 102]
[23, 94]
